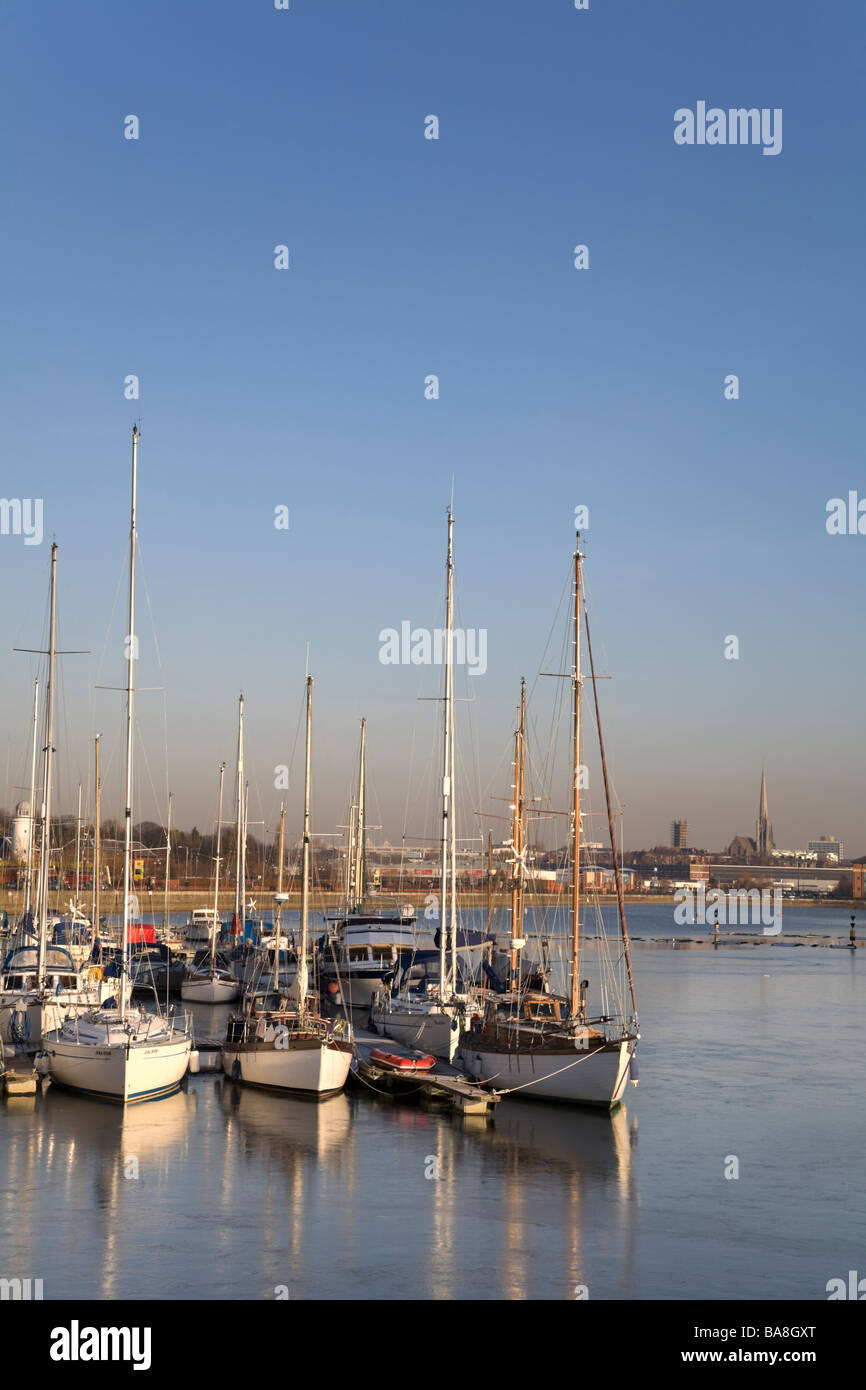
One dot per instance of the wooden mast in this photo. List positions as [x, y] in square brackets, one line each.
[575, 852]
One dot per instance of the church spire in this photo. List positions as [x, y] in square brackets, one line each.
[763, 829]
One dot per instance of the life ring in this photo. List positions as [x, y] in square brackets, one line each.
[95, 973]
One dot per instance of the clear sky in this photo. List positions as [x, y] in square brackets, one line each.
[559, 387]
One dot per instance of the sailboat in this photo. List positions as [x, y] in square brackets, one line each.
[363, 950]
[547, 1045]
[428, 1013]
[208, 982]
[290, 1047]
[40, 981]
[122, 1054]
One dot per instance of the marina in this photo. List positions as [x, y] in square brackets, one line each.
[432, 855]
[239, 1192]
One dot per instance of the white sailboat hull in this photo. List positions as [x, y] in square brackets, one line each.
[210, 990]
[434, 1030]
[310, 1068]
[127, 1073]
[598, 1077]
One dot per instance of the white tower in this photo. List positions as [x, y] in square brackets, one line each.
[21, 832]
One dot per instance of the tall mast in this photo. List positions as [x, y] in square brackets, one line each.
[518, 831]
[361, 843]
[350, 859]
[452, 823]
[575, 852]
[447, 763]
[280, 858]
[489, 880]
[96, 868]
[240, 817]
[32, 820]
[45, 850]
[216, 876]
[130, 712]
[305, 881]
[244, 857]
[167, 865]
[78, 848]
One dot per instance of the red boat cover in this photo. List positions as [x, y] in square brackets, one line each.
[393, 1061]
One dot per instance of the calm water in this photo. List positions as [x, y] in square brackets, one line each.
[755, 1053]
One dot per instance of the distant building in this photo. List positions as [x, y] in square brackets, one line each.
[742, 846]
[763, 829]
[826, 845]
[680, 834]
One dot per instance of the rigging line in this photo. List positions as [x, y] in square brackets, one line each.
[614, 855]
[161, 669]
[117, 592]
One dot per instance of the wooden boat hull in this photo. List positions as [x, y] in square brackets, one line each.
[596, 1077]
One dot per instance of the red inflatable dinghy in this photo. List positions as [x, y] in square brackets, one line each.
[393, 1061]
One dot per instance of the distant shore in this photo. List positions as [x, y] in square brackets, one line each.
[152, 905]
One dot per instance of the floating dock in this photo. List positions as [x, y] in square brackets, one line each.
[442, 1083]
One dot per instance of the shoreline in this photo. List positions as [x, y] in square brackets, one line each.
[152, 905]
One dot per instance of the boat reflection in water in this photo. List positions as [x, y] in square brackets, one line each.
[108, 1170]
[223, 1191]
[284, 1128]
[581, 1161]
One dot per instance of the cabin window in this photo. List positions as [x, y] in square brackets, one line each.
[541, 1011]
[357, 953]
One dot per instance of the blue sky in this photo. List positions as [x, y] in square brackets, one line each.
[558, 387]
